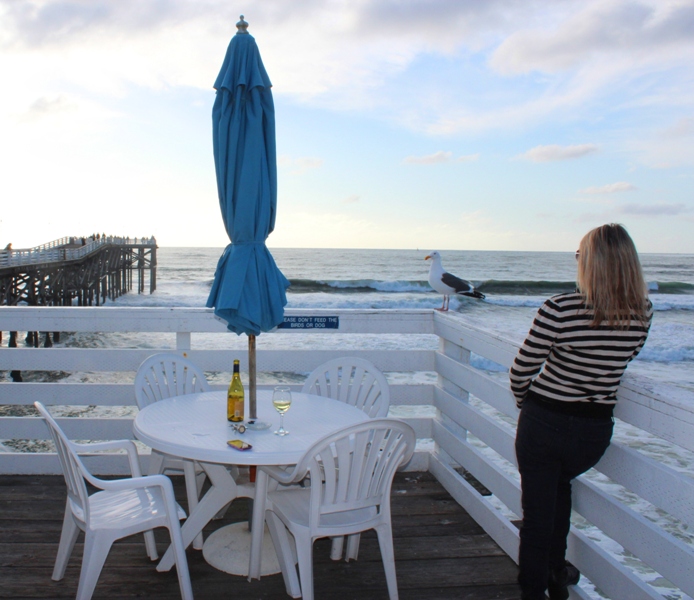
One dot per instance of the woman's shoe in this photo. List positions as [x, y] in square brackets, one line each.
[560, 579]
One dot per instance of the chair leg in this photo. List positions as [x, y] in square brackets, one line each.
[285, 553]
[192, 495]
[68, 537]
[180, 559]
[385, 542]
[151, 545]
[96, 549]
[352, 547]
[336, 547]
[156, 463]
[304, 550]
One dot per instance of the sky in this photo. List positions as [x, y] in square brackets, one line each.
[430, 124]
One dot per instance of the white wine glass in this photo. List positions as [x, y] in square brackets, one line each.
[281, 400]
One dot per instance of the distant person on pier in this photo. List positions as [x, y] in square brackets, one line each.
[8, 248]
[565, 379]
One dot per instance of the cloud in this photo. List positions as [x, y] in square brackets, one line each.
[438, 158]
[654, 210]
[610, 188]
[555, 152]
[46, 106]
[615, 211]
[429, 159]
[353, 199]
[360, 56]
[618, 28]
[299, 166]
[682, 128]
[664, 147]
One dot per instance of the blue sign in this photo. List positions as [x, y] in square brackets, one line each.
[310, 323]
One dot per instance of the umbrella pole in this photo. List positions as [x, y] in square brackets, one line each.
[252, 408]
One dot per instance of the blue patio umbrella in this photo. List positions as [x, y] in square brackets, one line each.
[248, 292]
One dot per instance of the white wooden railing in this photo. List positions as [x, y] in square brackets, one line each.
[60, 250]
[467, 412]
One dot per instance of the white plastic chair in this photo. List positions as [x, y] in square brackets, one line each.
[352, 380]
[166, 375]
[359, 383]
[122, 508]
[356, 466]
[163, 376]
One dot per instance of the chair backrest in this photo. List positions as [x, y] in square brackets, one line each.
[357, 466]
[352, 380]
[166, 375]
[71, 464]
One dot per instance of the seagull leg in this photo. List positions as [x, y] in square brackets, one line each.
[444, 305]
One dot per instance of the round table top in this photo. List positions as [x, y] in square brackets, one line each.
[195, 426]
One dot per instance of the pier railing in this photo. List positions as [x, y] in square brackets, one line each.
[63, 249]
[639, 498]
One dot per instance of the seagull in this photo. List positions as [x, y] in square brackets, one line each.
[447, 284]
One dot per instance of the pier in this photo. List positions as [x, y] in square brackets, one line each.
[462, 480]
[74, 270]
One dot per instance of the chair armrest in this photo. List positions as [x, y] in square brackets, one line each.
[285, 477]
[127, 445]
[133, 483]
[161, 481]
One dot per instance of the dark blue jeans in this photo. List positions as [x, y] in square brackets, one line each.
[551, 449]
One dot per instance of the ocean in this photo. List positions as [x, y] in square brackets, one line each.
[515, 285]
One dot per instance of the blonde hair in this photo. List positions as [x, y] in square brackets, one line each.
[610, 277]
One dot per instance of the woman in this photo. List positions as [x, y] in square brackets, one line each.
[565, 379]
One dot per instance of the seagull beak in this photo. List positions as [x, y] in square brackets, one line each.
[427, 257]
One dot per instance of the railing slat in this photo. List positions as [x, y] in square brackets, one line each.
[489, 474]
[76, 428]
[199, 320]
[664, 410]
[596, 564]
[478, 384]
[475, 339]
[116, 359]
[122, 394]
[663, 552]
[498, 436]
[603, 570]
[661, 485]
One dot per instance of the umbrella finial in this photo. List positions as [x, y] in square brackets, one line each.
[242, 26]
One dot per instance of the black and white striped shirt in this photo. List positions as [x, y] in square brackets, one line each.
[575, 362]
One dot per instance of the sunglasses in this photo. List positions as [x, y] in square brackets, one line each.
[577, 254]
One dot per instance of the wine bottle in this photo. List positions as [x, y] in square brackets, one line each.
[235, 396]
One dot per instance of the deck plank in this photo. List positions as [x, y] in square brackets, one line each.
[441, 553]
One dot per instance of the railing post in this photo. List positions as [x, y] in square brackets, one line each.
[461, 355]
[183, 340]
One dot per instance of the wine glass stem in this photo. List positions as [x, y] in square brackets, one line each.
[281, 421]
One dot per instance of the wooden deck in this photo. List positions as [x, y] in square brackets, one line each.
[440, 553]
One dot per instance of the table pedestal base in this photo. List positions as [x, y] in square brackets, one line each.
[228, 548]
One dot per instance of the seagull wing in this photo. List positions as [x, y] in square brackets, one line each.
[460, 286]
[456, 283]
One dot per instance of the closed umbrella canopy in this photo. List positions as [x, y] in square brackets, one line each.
[248, 290]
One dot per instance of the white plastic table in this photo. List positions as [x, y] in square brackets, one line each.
[195, 426]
